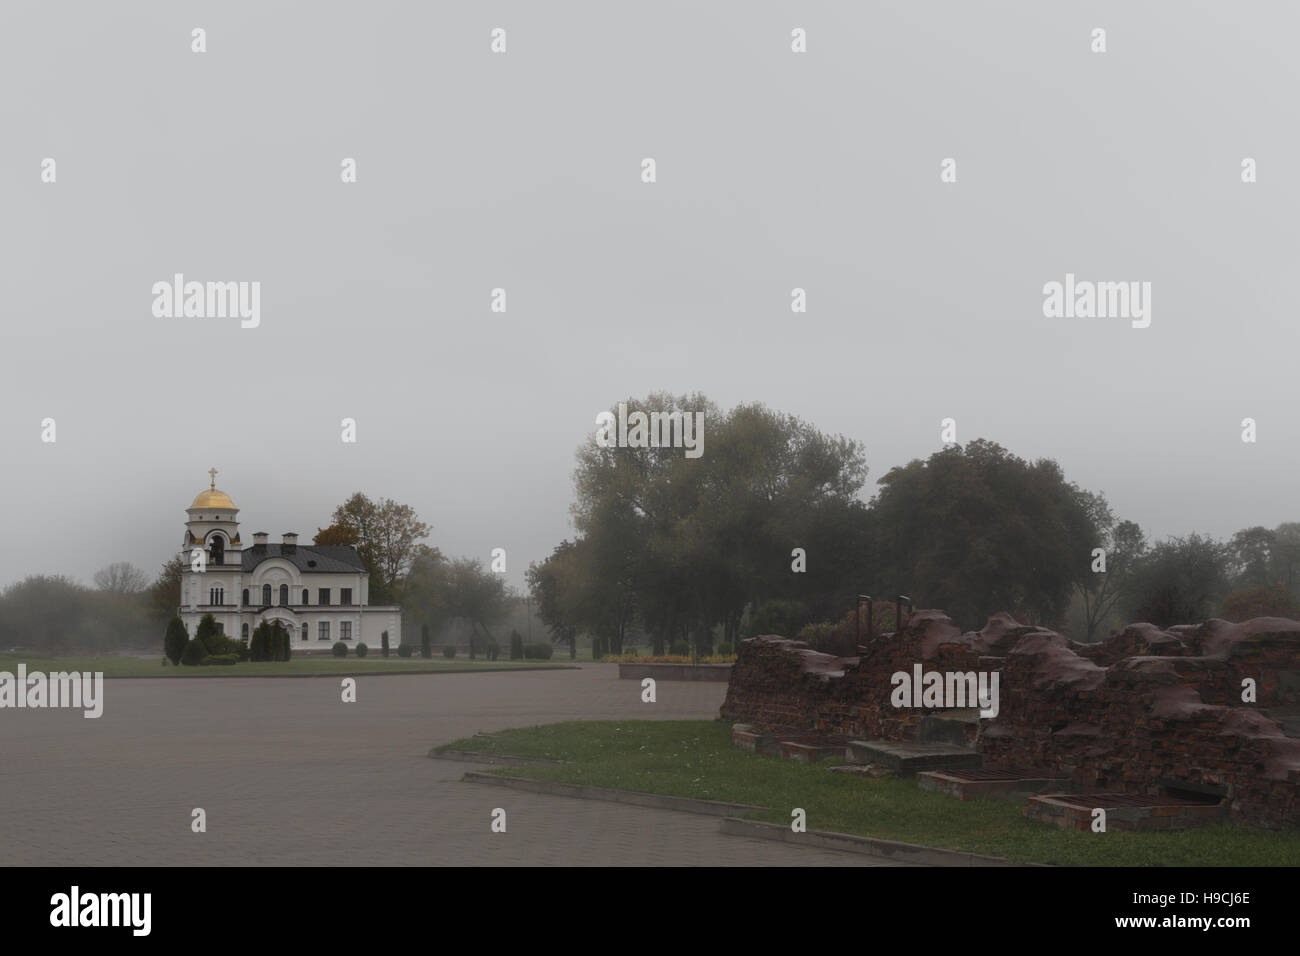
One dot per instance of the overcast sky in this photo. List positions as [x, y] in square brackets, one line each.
[775, 170]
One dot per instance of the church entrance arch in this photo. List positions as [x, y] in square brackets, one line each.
[285, 620]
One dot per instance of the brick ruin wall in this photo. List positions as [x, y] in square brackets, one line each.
[1145, 709]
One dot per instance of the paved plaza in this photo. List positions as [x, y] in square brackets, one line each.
[290, 775]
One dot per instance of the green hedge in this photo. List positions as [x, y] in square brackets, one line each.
[219, 644]
[219, 659]
[339, 649]
[540, 651]
[362, 650]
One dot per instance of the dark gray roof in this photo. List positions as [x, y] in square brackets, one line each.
[329, 559]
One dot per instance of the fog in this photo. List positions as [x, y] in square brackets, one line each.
[522, 171]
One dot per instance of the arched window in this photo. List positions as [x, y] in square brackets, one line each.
[304, 596]
[266, 594]
[243, 631]
[304, 630]
[284, 594]
[245, 597]
[218, 551]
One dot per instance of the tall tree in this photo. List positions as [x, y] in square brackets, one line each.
[1250, 553]
[551, 584]
[387, 537]
[1103, 592]
[1179, 581]
[337, 535]
[1286, 557]
[424, 592]
[681, 545]
[121, 577]
[977, 530]
[476, 595]
[165, 592]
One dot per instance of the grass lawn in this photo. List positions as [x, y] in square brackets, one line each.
[302, 666]
[695, 758]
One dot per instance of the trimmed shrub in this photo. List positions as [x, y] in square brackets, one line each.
[339, 649]
[194, 653]
[516, 646]
[680, 648]
[219, 659]
[175, 640]
[538, 651]
[448, 650]
[383, 644]
[723, 649]
[207, 629]
[362, 650]
[404, 650]
[257, 644]
[220, 644]
[281, 646]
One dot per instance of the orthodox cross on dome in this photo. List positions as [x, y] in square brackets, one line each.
[213, 473]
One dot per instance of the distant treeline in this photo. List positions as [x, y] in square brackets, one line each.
[459, 600]
[54, 614]
[765, 532]
[767, 529]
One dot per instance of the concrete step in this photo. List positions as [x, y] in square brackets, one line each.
[1124, 811]
[1009, 785]
[907, 759]
[954, 727]
[803, 752]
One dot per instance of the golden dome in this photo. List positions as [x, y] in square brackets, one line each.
[213, 498]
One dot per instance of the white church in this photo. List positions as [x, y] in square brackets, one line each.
[319, 593]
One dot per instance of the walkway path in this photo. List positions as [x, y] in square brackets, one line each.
[288, 774]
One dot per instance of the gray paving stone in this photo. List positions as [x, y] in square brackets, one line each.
[290, 775]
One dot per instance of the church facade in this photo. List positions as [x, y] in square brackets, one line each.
[320, 593]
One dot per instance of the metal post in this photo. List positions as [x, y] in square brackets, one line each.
[857, 619]
[899, 601]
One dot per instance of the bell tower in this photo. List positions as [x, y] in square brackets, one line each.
[213, 526]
